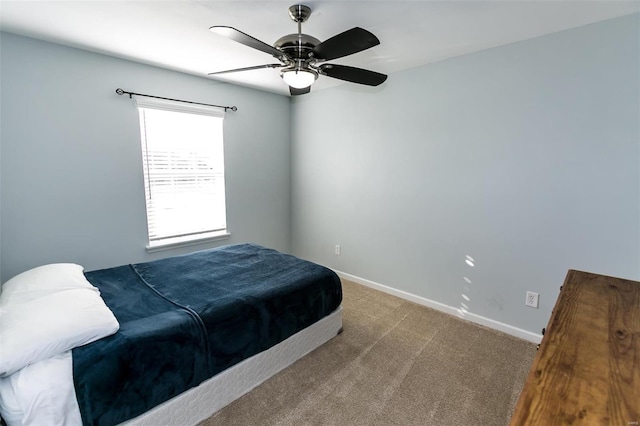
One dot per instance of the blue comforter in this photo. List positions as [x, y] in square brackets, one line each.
[186, 318]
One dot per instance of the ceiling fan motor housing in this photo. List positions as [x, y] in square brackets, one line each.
[297, 46]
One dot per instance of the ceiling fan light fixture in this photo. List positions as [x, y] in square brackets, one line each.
[299, 78]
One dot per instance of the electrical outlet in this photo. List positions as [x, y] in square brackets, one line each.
[532, 299]
[338, 249]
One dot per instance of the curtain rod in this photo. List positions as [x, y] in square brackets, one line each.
[119, 91]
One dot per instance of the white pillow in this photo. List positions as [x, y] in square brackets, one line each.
[41, 394]
[50, 324]
[43, 281]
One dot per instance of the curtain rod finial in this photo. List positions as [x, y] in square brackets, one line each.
[119, 91]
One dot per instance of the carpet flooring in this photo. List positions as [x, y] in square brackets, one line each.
[396, 363]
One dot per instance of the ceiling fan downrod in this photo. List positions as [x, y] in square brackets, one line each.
[299, 13]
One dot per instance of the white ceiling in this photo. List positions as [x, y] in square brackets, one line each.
[175, 34]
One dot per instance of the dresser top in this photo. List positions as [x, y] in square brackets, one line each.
[587, 370]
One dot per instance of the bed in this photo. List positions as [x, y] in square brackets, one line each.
[193, 333]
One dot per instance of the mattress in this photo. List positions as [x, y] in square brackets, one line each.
[185, 319]
[32, 402]
[201, 402]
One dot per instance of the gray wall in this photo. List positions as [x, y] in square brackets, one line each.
[525, 157]
[72, 185]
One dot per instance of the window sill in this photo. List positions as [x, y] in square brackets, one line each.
[176, 243]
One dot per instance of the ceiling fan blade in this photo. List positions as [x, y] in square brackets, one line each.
[352, 74]
[257, 67]
[296, 92]
[242, 38]
[347, 43]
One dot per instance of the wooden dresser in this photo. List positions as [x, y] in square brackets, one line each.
[587, 369]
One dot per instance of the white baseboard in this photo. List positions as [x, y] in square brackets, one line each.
[478, 319]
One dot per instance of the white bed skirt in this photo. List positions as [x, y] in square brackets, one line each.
[199, 403]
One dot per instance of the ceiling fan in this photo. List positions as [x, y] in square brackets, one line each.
[302, 57]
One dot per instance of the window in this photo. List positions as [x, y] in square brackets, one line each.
[183, 163]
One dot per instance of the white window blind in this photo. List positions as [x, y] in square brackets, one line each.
[183, 163]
